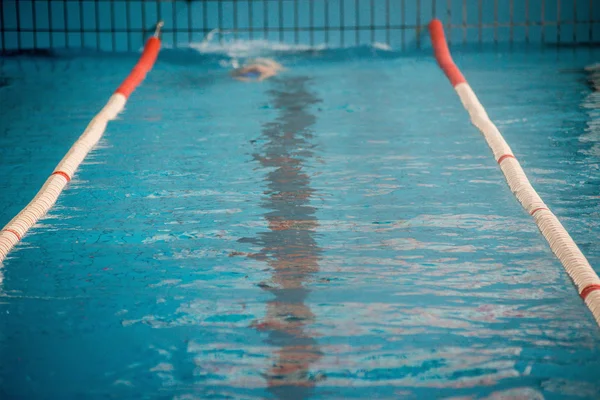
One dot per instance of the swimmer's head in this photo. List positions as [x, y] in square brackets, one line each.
[267, 62]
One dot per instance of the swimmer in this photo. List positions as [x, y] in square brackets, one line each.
[258, 69]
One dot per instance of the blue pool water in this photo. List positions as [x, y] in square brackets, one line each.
[339, 232]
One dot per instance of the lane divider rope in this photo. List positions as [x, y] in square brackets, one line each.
[577, 266]
[14, 231]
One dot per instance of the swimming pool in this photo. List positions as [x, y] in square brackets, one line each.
[339, 232]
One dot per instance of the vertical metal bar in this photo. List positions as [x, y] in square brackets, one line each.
[418, 30]
[342, 25]
[67, 29]
[128, 23]
[266, 18]
[433, 9]
[387, 22]
[542, 21]
[4, 24]
[250, 19]
[511, 6]
[449, 20]
[97, 23]
[235, 20]
[204, 18]
[280, 21]
[113, 32]
[144, 26]
[403, 23]
[356, 22]
[66, 22]
[496, 21]
[35, 25]
[296, 23]
[174, 16]
[527, 21]
[558, 21]
[372, 21]
[18, 15]
[190, 22]
[591, 28]
[326, 22]
[220, 20]
[50, 35]
[480, 21]
[311, 22]
[575, 21]
[464, 21]
[81, 27]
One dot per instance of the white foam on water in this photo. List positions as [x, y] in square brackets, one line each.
[243, 48]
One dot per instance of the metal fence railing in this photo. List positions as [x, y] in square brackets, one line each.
[120, 25]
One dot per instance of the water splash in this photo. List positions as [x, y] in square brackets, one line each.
[244, 48]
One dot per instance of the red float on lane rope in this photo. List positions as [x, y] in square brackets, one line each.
[141, 69]
[13, 232]
[61, 173]
[442, 53]
[505, 156]
[538, 209]
[589, 289]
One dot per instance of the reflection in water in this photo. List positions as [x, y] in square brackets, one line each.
[289, 246]
[591, 103]
[593, 78]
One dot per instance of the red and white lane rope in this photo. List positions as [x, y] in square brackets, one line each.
[12, 233]
[574, 262]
